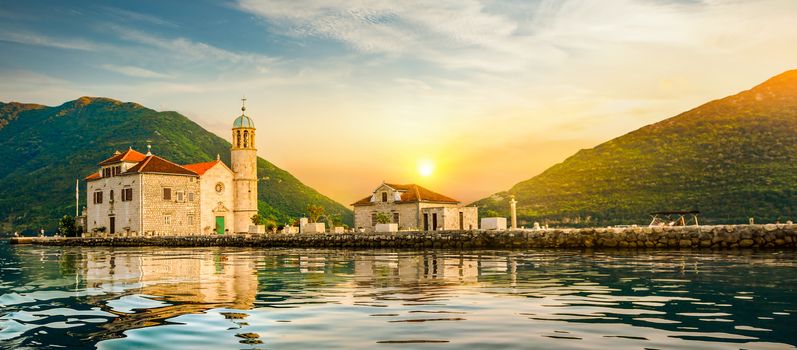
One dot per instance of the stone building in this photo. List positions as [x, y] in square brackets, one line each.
[144, 194]
[413, 207]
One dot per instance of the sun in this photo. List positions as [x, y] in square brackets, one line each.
[425, 168]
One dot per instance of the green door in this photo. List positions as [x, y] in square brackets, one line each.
[220, 225]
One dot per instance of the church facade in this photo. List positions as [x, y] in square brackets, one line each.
[143, 194]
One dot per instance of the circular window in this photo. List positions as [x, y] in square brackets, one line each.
[219, 187]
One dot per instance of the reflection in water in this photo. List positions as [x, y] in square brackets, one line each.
[148, 298]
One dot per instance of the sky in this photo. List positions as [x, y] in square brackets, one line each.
[465, 97]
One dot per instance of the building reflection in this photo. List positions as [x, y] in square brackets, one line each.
[189, 283]
[194, 281]
[197, 278]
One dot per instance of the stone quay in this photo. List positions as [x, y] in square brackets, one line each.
[685, 237]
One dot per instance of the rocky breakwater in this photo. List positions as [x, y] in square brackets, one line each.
[692, 237]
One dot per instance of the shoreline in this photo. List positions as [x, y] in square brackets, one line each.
[769, 236]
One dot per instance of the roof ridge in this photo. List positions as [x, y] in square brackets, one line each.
[173, 163]
[146, 161]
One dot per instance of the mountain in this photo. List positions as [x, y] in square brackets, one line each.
[44, 149]
[732, 159]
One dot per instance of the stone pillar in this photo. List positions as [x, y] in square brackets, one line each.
[513, 211]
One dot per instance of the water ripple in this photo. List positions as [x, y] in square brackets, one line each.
[211, 298]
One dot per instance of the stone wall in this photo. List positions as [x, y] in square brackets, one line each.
[703, 237]
[448, 217]
[408, 214]
[183, 216]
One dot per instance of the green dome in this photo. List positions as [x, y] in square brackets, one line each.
[243, 122]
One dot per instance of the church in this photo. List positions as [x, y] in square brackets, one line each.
[140, 194]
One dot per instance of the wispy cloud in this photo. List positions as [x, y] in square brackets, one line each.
[186, 49]
[447, 32]
[138, 17]
[505, 36]
[133, 71]
[27, 38]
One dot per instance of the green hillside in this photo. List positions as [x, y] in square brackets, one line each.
[732, 159]
[44, 149]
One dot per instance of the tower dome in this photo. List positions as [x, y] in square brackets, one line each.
[243, 122]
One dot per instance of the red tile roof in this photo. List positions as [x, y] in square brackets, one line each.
[92, 176]
[155, 164]
[413, 193]
[201, 168]
[130, 155]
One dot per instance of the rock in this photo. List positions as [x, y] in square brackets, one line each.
[746, 243]
[608, 242]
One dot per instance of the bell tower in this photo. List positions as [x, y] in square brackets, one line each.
[244, 165]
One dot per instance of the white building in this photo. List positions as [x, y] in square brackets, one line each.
[413, 208]
[143, 194]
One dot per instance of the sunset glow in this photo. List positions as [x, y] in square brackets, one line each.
[482, 86]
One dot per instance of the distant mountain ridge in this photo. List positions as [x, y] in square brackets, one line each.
[46, 148]
[731, 158]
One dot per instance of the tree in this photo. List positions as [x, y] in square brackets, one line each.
[489, 213]
[314, 212]
[383, 218]
[257, 219]
[67, 226]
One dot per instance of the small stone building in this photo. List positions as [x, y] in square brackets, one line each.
[144, 194]
[413, 208]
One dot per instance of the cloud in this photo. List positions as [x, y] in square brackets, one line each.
[136, 72]
[186, 49]
[137, 16]
[447, 32]
[42, 40]
[510, 37]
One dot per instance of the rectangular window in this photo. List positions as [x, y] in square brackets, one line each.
[384, 196]
[167, 219]
[180, 196]
[395, 218]
[461, 220]
[106, 172]
[98, 197]
[117, 170]
[167, 194]
[190, 219]
[190, 196]
[127, 194]
[373, 219]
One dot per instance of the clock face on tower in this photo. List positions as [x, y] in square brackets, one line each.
[219, 187]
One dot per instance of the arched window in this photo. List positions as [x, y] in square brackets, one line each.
[238, 144]
[246, 139]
